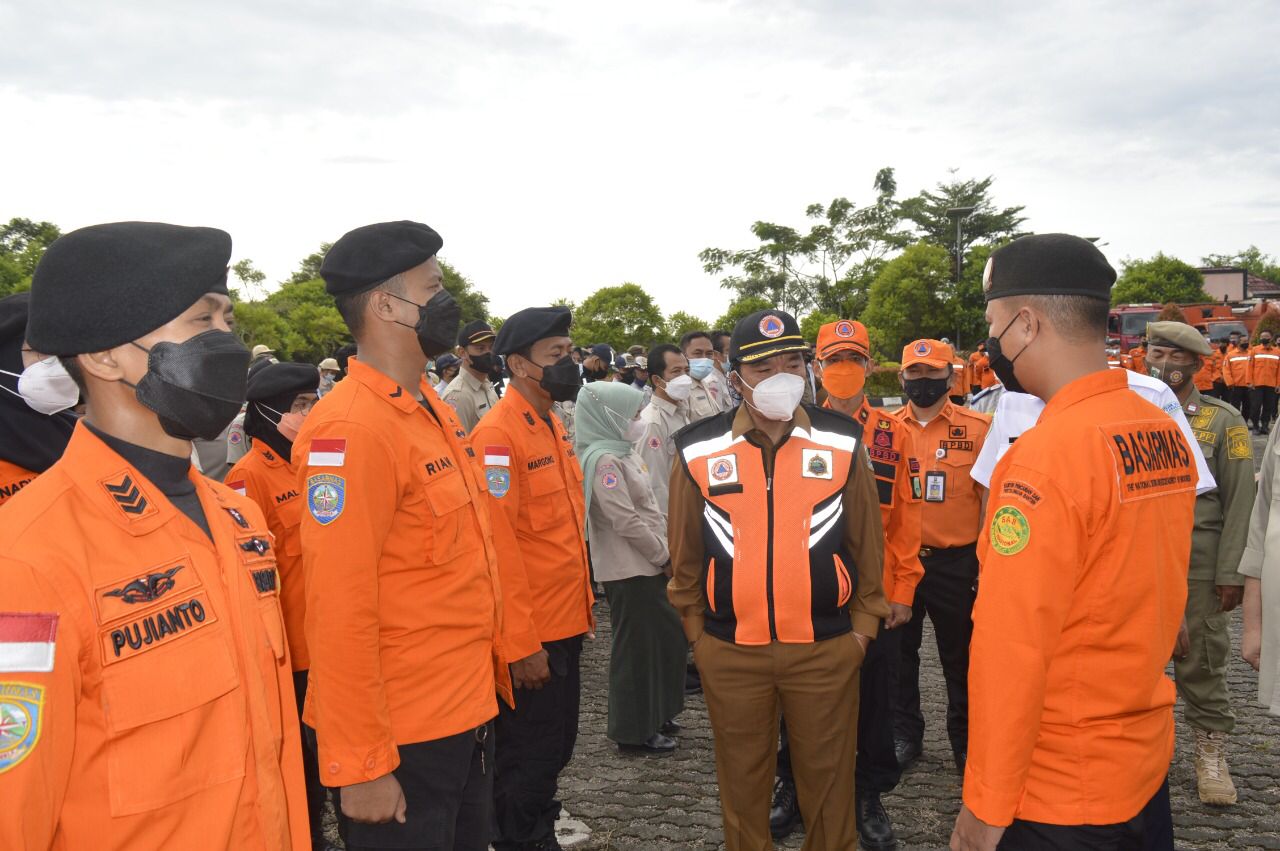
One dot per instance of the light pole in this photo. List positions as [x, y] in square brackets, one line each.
[959, 214]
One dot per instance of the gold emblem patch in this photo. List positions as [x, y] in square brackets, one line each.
[1239, 447]
[1010, 531]
[1204, 418]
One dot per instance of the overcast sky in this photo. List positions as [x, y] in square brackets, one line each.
[565, 145]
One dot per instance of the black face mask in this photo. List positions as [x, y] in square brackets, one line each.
[925, 392]
[1001, 365]
[1223, 348]
[957, 400]
[1266, 342]
[196, 387]
[482, 363]
[561, 379]
[438, 321]
[596, 374]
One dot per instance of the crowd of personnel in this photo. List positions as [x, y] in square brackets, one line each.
[236, 588]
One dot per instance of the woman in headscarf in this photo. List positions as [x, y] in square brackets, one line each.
[1260, 566]
[279, 396]
[36, 395]
[627, 537]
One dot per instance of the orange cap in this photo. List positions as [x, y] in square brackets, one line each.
[842, 335]
[928, 352]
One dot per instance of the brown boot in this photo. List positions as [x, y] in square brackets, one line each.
[1212, 775]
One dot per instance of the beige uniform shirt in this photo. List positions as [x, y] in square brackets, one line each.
[628, 535]
[470, 397]
[709, 397]
[661, 420]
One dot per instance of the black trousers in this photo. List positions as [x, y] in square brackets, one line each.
[946, 594]
[1240, 399]
[310, 765]
[1219, 390]
[1262, 407]
[877, 768]
[1150, 830]
[448, 791]
[535, 743]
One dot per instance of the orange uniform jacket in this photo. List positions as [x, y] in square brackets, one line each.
[980, 370]
[947, 447]
[1138, 360]
[272, 483]
[13, 479]
[403, 601]
[1210, 371]
[901, 490]
[164, 716]
[1079, 604]
[1264, 366]
[535, 484]
[1235, 367]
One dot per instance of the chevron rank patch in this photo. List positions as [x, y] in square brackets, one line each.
[128, 497]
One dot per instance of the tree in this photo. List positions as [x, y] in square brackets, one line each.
[621, 316]
[1158, 280]
[309, 268]
[906, 300]
[680, 323]
[1270, 321]
[741, 307]
[22, 244]
[1251, 260]
[986, 224]
[250, 278]
[812, 323]
[474, 304]
[1171, 313]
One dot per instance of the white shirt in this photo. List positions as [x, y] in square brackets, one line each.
[1017, 412]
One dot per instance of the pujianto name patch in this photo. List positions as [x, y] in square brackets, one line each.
[1151, 459]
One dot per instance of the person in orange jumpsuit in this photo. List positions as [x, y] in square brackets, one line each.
[146, 700]
[1209, 374]
[948, 439]
[843, 355]
[1071, 715]
[1138, 356]
[537, 499]
[36, 394]
[279, 397]
[1264, 378]
[1237, 374]
[980, 377]
[403, 605]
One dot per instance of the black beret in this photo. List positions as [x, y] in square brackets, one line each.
[523, 329]
[281, 379]
[1048, 264]
[102, 286]
[13, 317]
[764, 334]
[369, 255]
[475, 332]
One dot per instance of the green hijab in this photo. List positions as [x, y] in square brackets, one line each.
[604, 410]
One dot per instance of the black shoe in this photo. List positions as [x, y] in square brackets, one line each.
[875, 830]
[692, 680]
[906, 752]
[655, 745]
[670, 728]
[784, 814]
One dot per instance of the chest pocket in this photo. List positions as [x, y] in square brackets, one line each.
[451, 529]
[547, 499]
[175, 724]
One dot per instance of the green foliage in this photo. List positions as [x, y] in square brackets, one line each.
[22, 244]
[474, 304]
[1251, 259]
[740, 307]
[309, 268]
[251, 280]
[986, 224]
[883, 381]
[621, 316]
[1270, 321]
[679, 323]
[1158, 280]
[907, 299]
[812, 323]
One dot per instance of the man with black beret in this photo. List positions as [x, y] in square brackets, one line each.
[143, 658]
[1079, 604]
[403, 606]
[279, 397]
[472, 393]
[776, 554]
[536, 495]
[1214, 587]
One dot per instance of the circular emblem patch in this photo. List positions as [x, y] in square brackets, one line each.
[817, 466]
[844, 328]
[1175, 377]
[721, 470]
[326, 497]
[771, 326]
[609, 480]
[1010, 531]
[654, 443]
[498, 480]
[923, 348]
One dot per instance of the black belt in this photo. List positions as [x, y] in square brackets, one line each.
[931, 552]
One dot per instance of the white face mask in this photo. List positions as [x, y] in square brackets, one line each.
[679, 388]
[634, 431]
[46, 387]
[778, 396]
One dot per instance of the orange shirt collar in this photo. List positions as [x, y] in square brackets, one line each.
[384, 387]
[1102, 381]
[269, 455]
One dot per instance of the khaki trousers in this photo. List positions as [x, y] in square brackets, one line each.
[1202, 675]
[816, 687]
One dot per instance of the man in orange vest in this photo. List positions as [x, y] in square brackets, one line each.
[537, 501]
[775, 551]
[1236, 373]
[403, 607]
[1138, 356]
[1264, 378]
[145, 684]
[1071, 715]
[279, 396]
